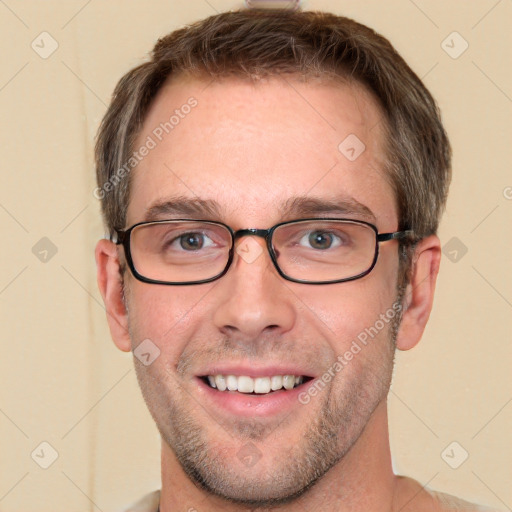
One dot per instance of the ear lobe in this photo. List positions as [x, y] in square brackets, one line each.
[419, 294]
[111, 289]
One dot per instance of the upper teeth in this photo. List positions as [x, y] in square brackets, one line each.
[245, 384]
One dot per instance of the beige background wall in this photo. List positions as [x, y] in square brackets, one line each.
[62, 380]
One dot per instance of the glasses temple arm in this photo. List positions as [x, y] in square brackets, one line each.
[117, 236]
[397, 235]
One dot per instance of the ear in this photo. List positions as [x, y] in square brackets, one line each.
[110, 285]
[419, 294]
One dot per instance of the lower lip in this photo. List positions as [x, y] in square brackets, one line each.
[248, 405]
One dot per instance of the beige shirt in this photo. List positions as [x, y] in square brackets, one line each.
[447, 502]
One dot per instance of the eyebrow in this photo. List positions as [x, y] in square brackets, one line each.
[183, 206]
[343, 205]
[292, 208]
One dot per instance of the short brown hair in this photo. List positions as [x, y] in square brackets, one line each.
[264, 43]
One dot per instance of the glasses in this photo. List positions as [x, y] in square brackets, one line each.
[309, 251]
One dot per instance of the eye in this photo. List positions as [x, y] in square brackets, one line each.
[192, 241]
[320, 240]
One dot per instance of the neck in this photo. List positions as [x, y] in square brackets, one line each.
[363, 480]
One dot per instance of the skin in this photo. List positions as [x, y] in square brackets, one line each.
[250, 147]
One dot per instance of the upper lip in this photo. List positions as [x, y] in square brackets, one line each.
[255, 371]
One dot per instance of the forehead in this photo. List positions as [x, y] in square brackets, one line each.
[252, 148]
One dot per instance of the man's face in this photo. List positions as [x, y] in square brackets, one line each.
[250, 149]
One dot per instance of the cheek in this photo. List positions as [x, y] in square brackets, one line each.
[343, 311]
[165, 314]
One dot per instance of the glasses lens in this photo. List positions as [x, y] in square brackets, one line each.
[178, 252]
[324, 250]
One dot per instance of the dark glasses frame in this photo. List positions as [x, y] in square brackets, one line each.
[123, 238]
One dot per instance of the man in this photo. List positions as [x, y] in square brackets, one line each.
[272, 183]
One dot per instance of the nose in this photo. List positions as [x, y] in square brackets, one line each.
[253, 299]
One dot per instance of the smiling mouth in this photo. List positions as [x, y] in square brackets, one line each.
[255, 386]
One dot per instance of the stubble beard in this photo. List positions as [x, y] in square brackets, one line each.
[295, 469]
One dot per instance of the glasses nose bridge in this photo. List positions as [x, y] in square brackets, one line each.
[262, 233]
